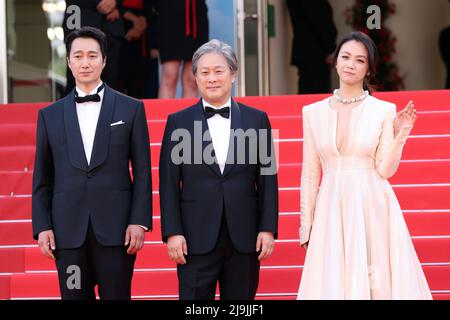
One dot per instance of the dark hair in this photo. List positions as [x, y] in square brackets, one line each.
[372, 53]
[87, 32]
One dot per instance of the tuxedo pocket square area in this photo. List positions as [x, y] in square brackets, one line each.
[117, 123]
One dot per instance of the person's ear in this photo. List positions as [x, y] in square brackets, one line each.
[196, 78]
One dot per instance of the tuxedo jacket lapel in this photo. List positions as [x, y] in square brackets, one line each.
[102, 133]
[73, 134]
[103, 130]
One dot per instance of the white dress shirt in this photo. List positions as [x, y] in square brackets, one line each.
[219, 128]
[88, 113]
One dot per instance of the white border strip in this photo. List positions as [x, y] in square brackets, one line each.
[281, 165]
[175, 296]
[431, 237]
[276, 241]
[288, 140]
[276, 267]
[295, 213]
[37, 298]
[16, 221]
[424, 136]
[426, 211]
[431, 185]
[419, 136]
[22, 246]
[420, 185]
[432, 112]
[432, 264]
[425, 160]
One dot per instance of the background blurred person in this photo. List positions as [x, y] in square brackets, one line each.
[313, 44]
[182, 28]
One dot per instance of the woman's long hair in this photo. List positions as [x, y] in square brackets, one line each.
[372, 53]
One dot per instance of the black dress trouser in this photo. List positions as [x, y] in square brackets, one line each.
[237, 273]
[81, 269]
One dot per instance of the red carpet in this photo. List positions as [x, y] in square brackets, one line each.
[422, 185]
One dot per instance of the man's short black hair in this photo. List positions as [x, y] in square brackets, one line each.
[87, 32]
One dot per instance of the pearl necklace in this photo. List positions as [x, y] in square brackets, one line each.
[350, 100]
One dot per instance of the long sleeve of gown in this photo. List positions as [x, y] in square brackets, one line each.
[389, 150]
[311, 173]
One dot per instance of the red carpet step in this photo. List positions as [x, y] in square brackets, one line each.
[422, 185]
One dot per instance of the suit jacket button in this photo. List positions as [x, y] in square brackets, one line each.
[90, 175]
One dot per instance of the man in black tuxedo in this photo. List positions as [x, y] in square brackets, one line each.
[104, 15]
[313, 44]
[88, 214]
[218, 185]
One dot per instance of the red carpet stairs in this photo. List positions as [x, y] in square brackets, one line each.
[422, 185]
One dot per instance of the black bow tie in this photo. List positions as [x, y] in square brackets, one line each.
[211, 112]
[91, 97]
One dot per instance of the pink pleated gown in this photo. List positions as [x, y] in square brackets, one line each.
[359, 244]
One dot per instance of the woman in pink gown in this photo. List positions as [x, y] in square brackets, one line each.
[358, 245]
